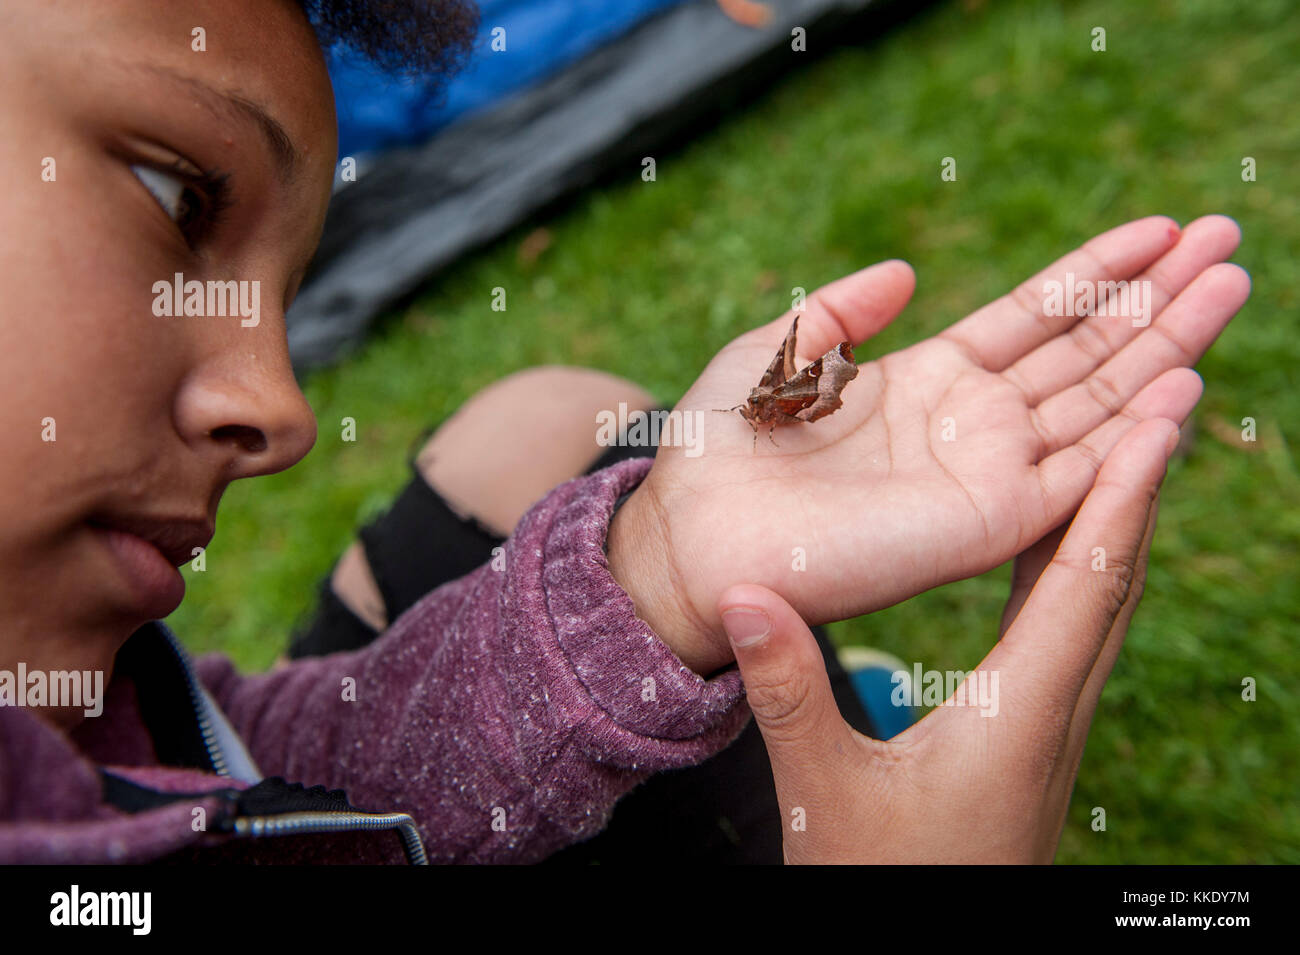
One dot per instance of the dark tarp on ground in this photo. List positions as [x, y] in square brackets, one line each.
[413, 211]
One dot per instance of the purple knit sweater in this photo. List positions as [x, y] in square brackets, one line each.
[531, 696]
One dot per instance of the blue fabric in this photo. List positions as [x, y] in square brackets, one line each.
[875, 687]
[377, 111]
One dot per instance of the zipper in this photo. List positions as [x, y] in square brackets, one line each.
[292, 823]
[215, 754]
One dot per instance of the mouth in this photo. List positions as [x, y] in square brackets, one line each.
[148, 552]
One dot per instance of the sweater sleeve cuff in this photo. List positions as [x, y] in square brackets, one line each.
[632, 702]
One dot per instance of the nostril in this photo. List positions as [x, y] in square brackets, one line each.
[249, 439]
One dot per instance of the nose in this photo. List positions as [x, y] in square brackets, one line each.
[248, 411]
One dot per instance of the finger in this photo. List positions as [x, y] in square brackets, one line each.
[1062, 781]
[1029, 565]
[1101, 670]
[1069, 357]
[1182, 334]
[852, 309]
[1017, 323]
[787, 688]
[1046, 656]
[1033, 733]
[1068, 475]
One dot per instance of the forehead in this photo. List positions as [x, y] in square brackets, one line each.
[259, 56]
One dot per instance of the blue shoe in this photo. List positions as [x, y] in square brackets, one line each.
[876, 677]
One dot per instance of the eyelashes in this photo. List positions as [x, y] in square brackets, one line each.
[193, 199]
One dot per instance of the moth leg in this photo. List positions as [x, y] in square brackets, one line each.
[782, 418]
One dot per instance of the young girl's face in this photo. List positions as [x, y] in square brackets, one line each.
[143, 141]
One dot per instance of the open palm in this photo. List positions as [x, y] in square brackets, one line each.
[949, 457]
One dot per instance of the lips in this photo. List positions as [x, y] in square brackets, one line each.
[174, 538]
[148, 551]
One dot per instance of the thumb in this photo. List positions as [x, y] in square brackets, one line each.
[785, 682]
[853, 308]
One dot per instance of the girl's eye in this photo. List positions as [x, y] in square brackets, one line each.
[193, 206]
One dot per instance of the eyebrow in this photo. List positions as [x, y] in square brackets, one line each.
[229, 104]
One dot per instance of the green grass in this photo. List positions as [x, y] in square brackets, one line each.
[838, 166]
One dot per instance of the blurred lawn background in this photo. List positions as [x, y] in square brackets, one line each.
[834, 168]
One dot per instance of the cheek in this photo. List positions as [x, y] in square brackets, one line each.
[83, 360]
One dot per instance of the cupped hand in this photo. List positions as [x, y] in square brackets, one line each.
[947, 458]
[987, 776]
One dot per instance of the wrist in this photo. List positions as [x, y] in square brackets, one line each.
[642, 563]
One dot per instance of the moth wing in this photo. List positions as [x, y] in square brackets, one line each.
[815, 391]
[782, 368]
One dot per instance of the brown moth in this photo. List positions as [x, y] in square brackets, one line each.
[783, 395]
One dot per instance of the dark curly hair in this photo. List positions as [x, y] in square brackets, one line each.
[403, 36]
